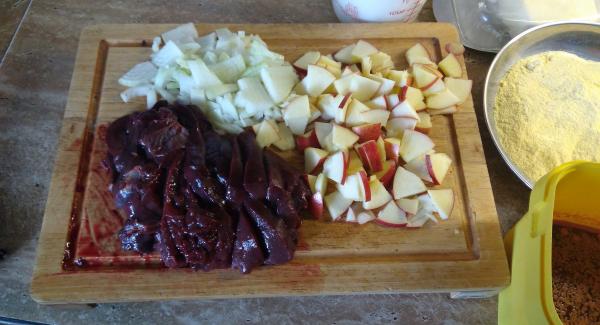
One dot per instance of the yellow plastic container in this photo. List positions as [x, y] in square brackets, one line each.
[573, 191]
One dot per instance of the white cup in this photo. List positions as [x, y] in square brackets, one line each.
[355, 11]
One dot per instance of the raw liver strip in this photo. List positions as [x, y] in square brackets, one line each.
[202, 199]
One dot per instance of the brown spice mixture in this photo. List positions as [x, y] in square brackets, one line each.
[576, 275]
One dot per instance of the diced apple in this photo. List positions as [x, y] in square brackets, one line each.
[381, 62]
[337, 204]
[402, 78]
[321, 183]
[345, 54]
[367, 132]
[279, 81]
[296, 114]
[381, 149]
[365, 185]
[437, 87]
[342, 109]
[386, 85]
[353, 211]
[377, 103]
[365, 65]
[343, 138]
[386, 175]
[379, 195]
[346, 72]
[316, 81]
[369, 155]
[410, 206]
[309, 139]
[361, 88]
[443, 201]
[419, 219]
[286, 138]
[437, 166]
[315, 113]
[354, 112]
[354, 163]
[335, 167]
[424, 123]
[316, 205]
[392, 148]
[391, 216]
[373, 116]
[362, 49]
[307, 59]
[442, 100]
[323, 134]
[418, 54]
[365, 216]
[392, 101]
[353, 188]
[311, 180]
[406, 184]
[405, 109]
[313, 159]
[332, 66]
[328, 106]
[268, 133]
[415, 97]
[455, 48]
[461, 88]
[424, 78]
[443, 111]
[418, 166]
[414, 144]
[450, 66]
[396, 126]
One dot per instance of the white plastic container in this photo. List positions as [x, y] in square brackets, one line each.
[355, 11]
[520, 15]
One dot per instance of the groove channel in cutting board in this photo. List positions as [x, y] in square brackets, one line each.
[467, 248]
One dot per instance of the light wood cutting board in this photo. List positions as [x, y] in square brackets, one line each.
[464, 253]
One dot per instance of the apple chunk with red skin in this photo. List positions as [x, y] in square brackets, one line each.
[424, 123]
[437, 166]
[367, 132]
[316, 205]
[313, 159]
[391, 216]
[369, 154]
[392, 148]
[356, 187]
[386, 175]
[450, 66]
[379, 195]
[424, 78]
[308, 139]
[335, 167]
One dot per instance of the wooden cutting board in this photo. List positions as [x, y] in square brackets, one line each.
[464, 253]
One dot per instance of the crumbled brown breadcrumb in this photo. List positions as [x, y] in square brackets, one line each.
[576, 275]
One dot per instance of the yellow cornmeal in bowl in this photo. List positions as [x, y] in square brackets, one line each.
[547, 112]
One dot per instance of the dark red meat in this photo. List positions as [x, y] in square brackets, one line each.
[202, 199]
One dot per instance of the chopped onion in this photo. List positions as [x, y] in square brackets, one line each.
[219, 72]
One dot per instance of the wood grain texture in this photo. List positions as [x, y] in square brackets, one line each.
[462, 253]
